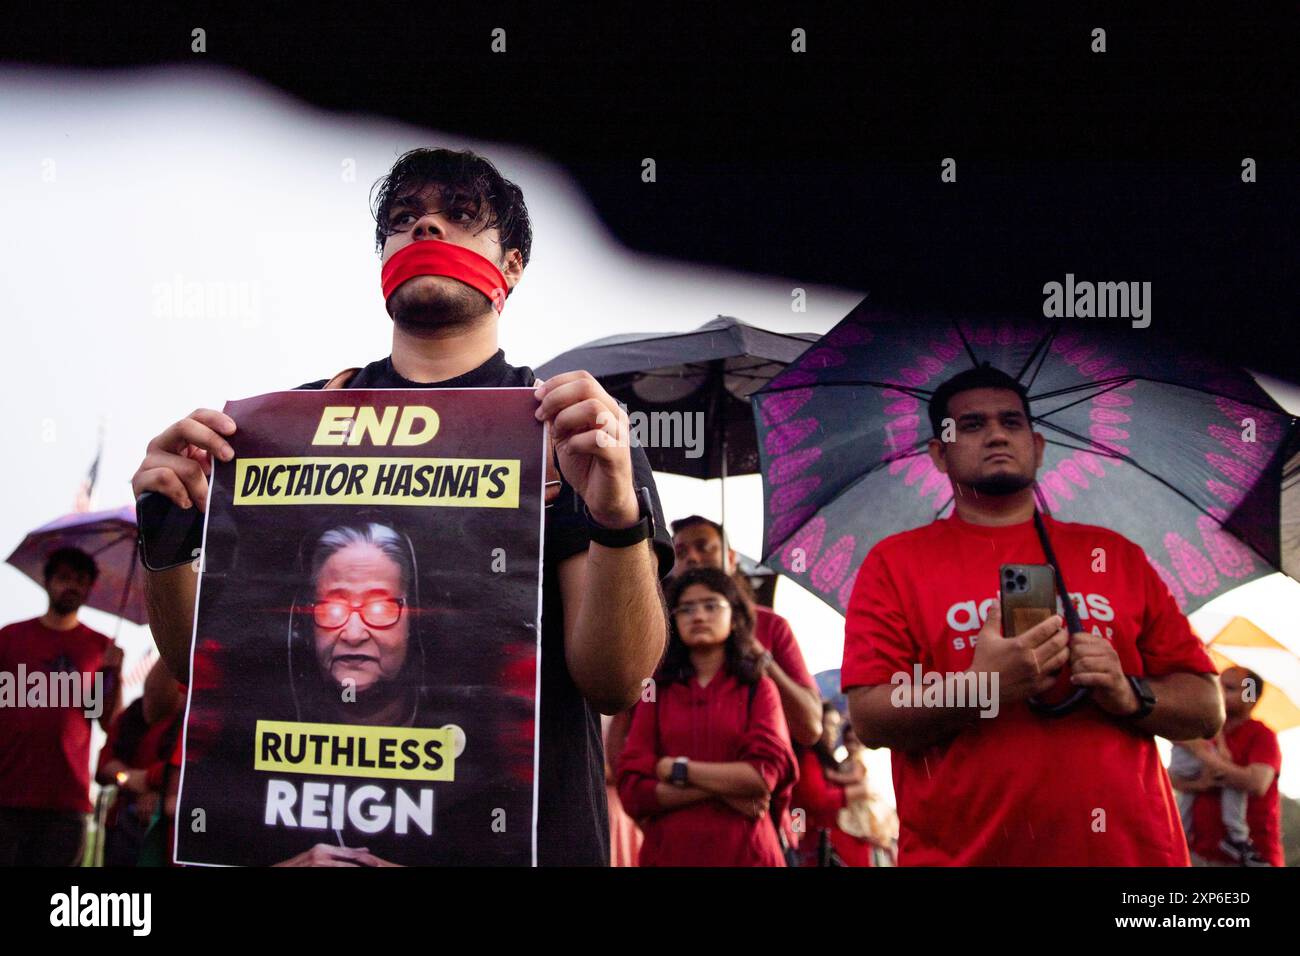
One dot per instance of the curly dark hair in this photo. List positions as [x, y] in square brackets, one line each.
[676, 666]
[462, 177]
[76, 560]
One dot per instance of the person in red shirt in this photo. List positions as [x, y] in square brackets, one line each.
[1251, 765]
[709, 752]
[990, 781]
[45, 739]
[701, 543]
[624, 834]
[134, 757]
[159, 839]
[171, 790]
[824, 789]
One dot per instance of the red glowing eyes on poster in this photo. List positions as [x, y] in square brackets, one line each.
[376, 612]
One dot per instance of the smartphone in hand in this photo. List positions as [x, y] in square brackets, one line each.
[169, 535]
[1028, 596]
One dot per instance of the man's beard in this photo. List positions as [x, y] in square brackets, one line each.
[428, 308]
[999, 486]
[66, 603]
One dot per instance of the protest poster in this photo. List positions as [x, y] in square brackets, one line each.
[367, 631]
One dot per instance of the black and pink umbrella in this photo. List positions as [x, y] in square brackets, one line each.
[1184, 454]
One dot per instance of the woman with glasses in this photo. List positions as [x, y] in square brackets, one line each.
[709, 750]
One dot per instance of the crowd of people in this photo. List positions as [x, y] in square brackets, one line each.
[733, 758]
[719, 749]
[45, 747]
[729, 758]
[731, 684]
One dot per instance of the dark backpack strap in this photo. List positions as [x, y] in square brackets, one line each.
[342, 379]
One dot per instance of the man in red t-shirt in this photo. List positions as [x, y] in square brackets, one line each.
[56, 676]
[1251, 765]
[983, 779]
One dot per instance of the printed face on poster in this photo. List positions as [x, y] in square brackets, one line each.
[367, 631]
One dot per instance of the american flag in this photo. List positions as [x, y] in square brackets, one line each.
[136, 674]
[81, 504]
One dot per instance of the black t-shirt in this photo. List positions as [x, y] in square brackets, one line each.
[572, 815]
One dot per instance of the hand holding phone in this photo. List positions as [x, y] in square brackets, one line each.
[1027, 596]
[178, 461]
[169, 535]
[1025, 664]
[171, 486]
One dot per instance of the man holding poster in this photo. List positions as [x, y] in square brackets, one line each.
[454, 240]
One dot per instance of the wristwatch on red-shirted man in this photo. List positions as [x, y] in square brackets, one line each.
[678, 777]
[1145, 695]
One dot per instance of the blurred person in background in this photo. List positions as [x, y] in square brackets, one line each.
[828, 784]
[45, 742]
[867, 818]
[1245, 762]
[140, 742]
[624, 835]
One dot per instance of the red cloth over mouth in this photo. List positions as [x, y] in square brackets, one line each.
[437, 257]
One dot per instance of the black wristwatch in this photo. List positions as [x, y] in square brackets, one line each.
[643, 530]
[1145, 695]
[678, 776]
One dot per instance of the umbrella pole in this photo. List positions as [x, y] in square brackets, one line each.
[126, 592]
[717, 411]
[724, 482]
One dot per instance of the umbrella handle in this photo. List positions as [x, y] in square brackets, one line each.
[1061, 708]
[1079, 694]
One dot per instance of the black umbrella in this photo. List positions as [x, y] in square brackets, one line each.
[1184, 454]
[674, 383]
